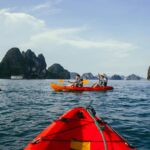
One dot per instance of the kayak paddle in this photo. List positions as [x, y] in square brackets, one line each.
[62, 81]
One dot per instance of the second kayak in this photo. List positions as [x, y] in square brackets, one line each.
[57, 87]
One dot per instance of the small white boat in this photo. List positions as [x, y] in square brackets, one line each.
[20, 77]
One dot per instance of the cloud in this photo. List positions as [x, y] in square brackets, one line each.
[63, 45]
[16, 28]
[48, 4]
[26, 31]
[70, 37]
[40, 6]
[19, 19]
[49, 7]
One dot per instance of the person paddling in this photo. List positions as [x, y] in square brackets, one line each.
[103, 80]
[78, 81]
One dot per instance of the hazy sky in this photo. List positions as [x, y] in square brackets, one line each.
[111, 36]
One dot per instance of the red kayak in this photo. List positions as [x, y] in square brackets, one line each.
[57, 87]
[79, 129]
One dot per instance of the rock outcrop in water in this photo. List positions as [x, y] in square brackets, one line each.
[12, 64]
[29, 66]
[26, 64]
[116, 77]
[56, 71]
[88, 76]
[35, 66]
[133, 77]
[148, 74]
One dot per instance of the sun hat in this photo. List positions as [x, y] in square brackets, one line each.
[102, 74]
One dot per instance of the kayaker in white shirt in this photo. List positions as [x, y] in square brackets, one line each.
[102, 80]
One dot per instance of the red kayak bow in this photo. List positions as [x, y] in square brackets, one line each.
[79, 129]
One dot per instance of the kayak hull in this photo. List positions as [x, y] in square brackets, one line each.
[57, 87]
[79, 129]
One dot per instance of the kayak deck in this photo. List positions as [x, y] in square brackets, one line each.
[57, 87]
[79, 129]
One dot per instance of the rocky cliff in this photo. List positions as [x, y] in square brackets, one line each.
[12, 64]
[26, 64]
[88, 76]
[56, 71]
[116, 77]
[133, 77]
[35, 66]
[30, 66]
[148, 74]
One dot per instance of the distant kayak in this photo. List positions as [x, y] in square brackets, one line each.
[57, 87]
[79, 129]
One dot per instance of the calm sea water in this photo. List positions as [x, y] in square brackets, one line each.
[28, 106]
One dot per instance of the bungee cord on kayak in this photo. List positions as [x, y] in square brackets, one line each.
[92, 112]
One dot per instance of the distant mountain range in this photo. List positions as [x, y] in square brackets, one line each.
[113, 77]
[30, 66]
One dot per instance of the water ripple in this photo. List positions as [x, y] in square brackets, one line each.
[28, 106]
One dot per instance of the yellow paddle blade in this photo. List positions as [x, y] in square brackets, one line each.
[60, 81]
[85, 81]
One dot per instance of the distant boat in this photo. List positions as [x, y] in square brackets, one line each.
[17, 77]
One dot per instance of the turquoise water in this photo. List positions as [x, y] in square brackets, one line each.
[28, 106]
